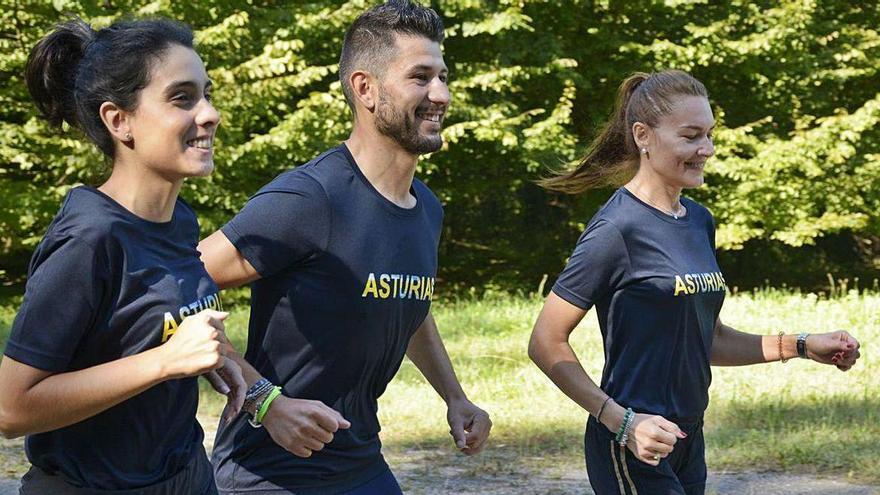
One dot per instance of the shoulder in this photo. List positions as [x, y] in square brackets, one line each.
[84, 216]
[616, 214]
[311, 177]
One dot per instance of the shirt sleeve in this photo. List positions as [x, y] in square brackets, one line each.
[62, 301]
[596, 267]
[281, 227]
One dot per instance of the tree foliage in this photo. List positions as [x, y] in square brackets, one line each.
[793, 84]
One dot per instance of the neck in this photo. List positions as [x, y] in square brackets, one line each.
[652, 190]
[145, 194]
[388, 167]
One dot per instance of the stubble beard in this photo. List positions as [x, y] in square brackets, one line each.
[402, 129]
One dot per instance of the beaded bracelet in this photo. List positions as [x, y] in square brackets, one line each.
[623, 432]
[255, 395]
[779, 343]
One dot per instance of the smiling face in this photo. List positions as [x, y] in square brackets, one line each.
[681, 142]
[413, 95]
[173, 126]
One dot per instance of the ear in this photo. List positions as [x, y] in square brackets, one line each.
[116, 120]
[642, 134]
[364, 86]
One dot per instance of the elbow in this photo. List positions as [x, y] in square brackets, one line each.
[10, 426]
[535, 347]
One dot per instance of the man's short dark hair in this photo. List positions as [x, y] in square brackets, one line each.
[370, 41]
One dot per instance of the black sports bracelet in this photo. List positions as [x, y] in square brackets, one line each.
[802, 345]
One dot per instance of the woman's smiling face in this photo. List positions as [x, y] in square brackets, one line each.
[681, 142]
[173, 126]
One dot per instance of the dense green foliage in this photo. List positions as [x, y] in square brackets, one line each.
[793, 85]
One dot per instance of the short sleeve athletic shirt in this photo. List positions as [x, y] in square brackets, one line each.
[104, 284]
[657, 290]
[347, 278]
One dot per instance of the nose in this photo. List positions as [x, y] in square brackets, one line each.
[708, 149]
[207, 115]
[439, 92]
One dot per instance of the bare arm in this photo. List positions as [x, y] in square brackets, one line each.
[549, 348]
[730, 347]
[34, 401]
[427, 352]
[224, 262]
[469, 425]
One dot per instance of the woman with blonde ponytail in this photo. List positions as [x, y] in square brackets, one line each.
[647, 262]
[119, 315]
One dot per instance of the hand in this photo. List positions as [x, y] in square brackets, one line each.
[838, 348]
[653, 436]
[197, 346]
[469, 426]
[302, 426]
[229, 381]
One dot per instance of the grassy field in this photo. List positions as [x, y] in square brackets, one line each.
[796, 417]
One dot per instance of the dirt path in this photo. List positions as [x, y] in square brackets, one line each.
[437, 472]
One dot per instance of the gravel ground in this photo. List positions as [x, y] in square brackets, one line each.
[420, 475]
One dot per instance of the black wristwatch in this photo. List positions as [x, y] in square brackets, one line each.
[802, 345]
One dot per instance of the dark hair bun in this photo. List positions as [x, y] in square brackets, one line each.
[51, 70]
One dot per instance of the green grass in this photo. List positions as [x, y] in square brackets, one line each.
[797, 417]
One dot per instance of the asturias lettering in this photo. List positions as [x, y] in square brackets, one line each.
[696, 283]
[399, 286]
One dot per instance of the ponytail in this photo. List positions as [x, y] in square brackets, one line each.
[51, 68]
[613, 158]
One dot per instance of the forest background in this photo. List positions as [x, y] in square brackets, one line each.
[794, 187]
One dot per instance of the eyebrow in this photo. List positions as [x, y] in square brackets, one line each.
[695, 127]
[181, 84]
[425, 67]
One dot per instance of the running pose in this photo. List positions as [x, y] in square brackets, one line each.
[342, 253]
[119, 315]
[647, 262]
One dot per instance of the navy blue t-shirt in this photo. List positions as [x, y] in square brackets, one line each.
[657, 290]
[347, 278]
[105, 284]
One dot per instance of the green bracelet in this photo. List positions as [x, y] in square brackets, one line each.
[266, 403]
[624, 425]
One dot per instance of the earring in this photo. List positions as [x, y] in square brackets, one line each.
[644, 151]
[127, 136]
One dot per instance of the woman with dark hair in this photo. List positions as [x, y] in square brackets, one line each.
[647, 262]
[119, 315]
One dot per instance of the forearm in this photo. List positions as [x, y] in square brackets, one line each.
[559, 362]
[63, 399]
[730, 347]
[427, 352]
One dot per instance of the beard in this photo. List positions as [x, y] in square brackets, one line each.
[401, 127]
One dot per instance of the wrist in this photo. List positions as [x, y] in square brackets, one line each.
[613, 415]
[802, 346]
[162, 365]
[457, 397]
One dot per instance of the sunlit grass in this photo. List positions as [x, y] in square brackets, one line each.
[798, 416]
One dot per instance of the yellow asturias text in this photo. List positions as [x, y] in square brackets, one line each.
[208, 302]
[399, 286]
[696, 283]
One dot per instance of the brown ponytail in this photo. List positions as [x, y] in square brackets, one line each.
[613, 158]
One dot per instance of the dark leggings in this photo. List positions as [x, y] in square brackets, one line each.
[196, 479]
[615, 470]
